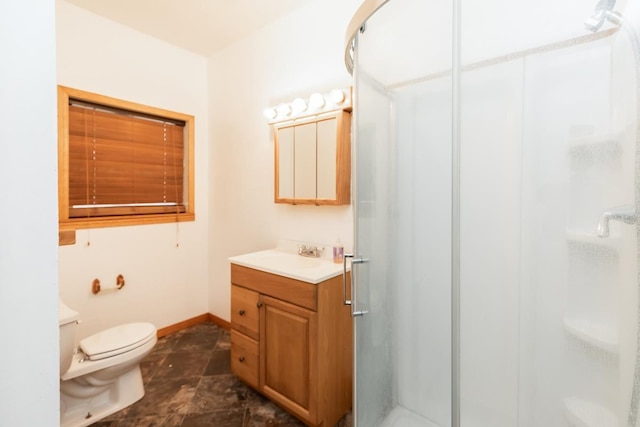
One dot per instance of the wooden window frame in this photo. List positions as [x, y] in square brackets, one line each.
[67, 223]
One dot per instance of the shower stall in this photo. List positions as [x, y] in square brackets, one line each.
[496, 190]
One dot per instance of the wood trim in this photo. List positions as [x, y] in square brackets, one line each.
[66, 237]
[219, 321]
[63, 154]
[182, 325]
[79, 223]
[125, 105]
[206, 317]
[343, 161]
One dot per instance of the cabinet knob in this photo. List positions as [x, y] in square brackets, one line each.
[259, 304]
[241, 359]
[241, 312]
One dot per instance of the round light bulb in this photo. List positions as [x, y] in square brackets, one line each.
[316, 100]
[298, 105]
[284, 109]
[270, 113]
[337, 96]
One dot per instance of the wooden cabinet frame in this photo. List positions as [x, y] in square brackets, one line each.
[335, 158]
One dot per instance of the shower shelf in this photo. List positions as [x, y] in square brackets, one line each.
[599, 336]
[592, 239]
[582, 413]
[605, 146]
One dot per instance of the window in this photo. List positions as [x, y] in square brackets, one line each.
[122, 163]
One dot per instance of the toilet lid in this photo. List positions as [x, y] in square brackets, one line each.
[117, 340]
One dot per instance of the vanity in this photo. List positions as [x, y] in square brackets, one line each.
[291, 334]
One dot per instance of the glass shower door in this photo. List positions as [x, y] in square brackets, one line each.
[547, 143]
[403, 217]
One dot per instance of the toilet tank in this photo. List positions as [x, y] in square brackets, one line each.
[67, 320]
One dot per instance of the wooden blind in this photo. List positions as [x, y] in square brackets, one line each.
[123, 163]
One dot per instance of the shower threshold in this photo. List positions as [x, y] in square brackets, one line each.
[402, 417]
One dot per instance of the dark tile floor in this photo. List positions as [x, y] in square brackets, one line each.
[188, 383]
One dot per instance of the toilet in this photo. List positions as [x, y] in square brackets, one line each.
[101, 375]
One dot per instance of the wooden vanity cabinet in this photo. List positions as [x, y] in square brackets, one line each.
[303, 347]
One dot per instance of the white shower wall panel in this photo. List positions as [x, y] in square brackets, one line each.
[566, 97]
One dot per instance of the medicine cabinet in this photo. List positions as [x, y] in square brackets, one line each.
[313, 159]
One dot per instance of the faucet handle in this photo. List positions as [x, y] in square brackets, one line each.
[310, 250]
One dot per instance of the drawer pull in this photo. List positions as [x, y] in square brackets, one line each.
[259, 305]
[241, 312]
[241, 359]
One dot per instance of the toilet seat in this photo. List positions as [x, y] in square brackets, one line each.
[117, 340]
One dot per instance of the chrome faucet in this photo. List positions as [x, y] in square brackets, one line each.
[310, 250]
[626, 214]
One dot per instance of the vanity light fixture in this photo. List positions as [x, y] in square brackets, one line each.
[317, 103]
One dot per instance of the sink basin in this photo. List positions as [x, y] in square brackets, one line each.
[311, 270]
[284, 260]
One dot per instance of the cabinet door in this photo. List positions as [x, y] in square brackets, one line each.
[304, 170]
[327, 158]
[288, 369]
[284, 163]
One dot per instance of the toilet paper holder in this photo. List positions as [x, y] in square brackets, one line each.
[96, 287]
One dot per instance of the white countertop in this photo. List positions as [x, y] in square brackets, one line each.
[292, 265]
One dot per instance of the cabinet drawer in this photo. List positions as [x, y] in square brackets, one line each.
[245, 313]
[290, 290]
[244, 358]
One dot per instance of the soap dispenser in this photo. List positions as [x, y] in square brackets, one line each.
[338, 252]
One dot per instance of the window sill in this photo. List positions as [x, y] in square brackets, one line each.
[119, 221]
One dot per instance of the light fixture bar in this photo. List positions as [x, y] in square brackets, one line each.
[316, 103]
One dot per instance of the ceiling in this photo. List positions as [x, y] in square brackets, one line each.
[200, 26]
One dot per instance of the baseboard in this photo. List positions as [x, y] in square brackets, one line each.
[206, 317]
[218, 321]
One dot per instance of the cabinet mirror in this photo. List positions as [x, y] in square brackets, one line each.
[313, 160]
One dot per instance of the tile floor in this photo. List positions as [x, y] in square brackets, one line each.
[188, 383]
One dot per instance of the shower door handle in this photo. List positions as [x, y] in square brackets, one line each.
[351, 302]
[344, 279]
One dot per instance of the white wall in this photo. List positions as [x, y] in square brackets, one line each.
[295, 56]
[165, 284]
[28, 225]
